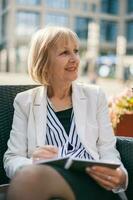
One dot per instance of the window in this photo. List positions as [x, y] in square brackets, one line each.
[27, 22]
[130, 31]
[4, 4]
[64, 4]
[29, 2]
[3, 25]
[4, 59]
[76, 4]
[129, 51]
[110, 6]
[21, 58]
[108, 31]
[85, 6]
[57, 19]
[130, 6]
[81, 27]
[93, 7]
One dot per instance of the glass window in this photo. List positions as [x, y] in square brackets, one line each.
[81, 27]
[85, 6]
[57, 3]
[4, 60]
[130, 6]
[130, 31]
[21, 58]
[108, 31]
[4, 4]
[29, 2]
[110, 6]
[129, 51]
[57, 19]
[27, 22]
[76, 4]
[93, 7]
[3, 25]
[0, 34]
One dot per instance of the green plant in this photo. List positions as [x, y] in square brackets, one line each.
[120, 105]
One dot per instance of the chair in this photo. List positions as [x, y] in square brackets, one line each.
[7, 95]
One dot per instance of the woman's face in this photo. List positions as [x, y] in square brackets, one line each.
[64, 62]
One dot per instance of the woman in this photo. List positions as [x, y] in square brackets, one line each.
[60, 118]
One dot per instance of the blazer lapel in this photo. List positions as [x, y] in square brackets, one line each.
[80, 110]
[39, 110]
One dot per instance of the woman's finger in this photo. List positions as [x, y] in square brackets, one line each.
[115, 175]
[44, 153]
[49, 148]
[103, 181]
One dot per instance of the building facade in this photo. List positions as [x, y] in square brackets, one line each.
[19, 19]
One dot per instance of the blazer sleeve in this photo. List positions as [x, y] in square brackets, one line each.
[16, 155]
[107, 141]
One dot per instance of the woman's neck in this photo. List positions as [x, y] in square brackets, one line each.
[60, 98]
[60, 92]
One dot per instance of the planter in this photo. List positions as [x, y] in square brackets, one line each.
[125, 126]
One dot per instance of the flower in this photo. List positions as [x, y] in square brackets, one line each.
[120, 105]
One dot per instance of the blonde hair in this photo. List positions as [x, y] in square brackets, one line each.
[41, 43]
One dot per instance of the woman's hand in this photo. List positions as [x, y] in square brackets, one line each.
[106, 177]
[45, 152]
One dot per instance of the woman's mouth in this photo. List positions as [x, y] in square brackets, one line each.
[70, 69]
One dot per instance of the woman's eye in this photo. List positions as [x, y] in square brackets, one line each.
[76, 51]
[64, 52]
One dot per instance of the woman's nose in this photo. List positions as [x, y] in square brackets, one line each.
[73, 57]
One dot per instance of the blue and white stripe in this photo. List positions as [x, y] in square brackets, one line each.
[57, 136]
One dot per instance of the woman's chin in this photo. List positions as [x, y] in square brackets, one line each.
[73, 77]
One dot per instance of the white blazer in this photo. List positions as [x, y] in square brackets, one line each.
[29, 125]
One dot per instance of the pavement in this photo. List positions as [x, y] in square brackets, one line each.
[110, 86]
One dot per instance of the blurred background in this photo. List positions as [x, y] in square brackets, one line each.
[105, 29]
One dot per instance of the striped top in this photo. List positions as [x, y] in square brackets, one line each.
[65, 116]
[68, 144]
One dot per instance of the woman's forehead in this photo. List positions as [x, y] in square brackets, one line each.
[66, 41]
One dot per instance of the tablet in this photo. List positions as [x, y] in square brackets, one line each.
[77, 164]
